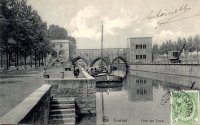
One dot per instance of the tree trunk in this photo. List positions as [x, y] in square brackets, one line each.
[17, 56]
[31, 57]
[42, 59]
[7, 56]
[30, 54]
[1, 59]
[35, 59]
[15, 59]
[39, 58]
[45, 61]
[21, 60]
[25, 58]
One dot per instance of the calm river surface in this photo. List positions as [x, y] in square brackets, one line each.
[139, 100]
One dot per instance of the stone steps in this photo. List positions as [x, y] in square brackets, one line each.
[62, 121]
[72, 115]
[63, 101]
[62, 106]
[62, 111]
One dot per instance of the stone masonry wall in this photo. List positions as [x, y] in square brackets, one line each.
[32, 110]
[82, 89]
[173, 69]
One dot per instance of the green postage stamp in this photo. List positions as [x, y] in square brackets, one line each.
[185, 107]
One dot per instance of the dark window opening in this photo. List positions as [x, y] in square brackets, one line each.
[144, 57]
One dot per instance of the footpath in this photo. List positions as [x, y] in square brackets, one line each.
[56, 72]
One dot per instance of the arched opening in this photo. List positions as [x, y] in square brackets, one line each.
[119, 66]
[105, 61]
[61, 53]
[79, 60]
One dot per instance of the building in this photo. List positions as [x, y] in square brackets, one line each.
[140, 49]
[61, 49]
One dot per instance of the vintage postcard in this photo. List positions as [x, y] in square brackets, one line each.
[100, 62]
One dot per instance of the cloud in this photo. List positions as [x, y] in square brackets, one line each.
[84, 23]
[80, 23]
[123, 21]
[137, 30]
[152, 24]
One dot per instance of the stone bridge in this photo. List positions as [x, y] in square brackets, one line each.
[91, 56]
[107, 61]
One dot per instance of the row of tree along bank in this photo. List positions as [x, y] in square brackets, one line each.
[191, 44]
[24, 35]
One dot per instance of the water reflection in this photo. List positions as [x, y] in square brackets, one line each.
[138, 101]
[140, 89]
[108, 89]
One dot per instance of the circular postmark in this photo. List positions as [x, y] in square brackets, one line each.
[184, 107]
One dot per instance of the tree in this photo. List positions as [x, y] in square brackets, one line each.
[190, 44]
[166, 47]
[197, 43]
[155, 49]
[179, 44]
[24, 26]
[56, 33]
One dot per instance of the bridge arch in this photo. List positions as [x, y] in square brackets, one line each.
[97, 59]
[122, 58]
[78, 58]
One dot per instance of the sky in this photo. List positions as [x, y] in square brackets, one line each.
[160, 19]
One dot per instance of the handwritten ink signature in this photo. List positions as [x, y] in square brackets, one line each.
[169, 16]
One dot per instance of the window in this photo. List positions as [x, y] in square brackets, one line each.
[145, 91]
[138, 92]
[141, 91]
[137, 47]
[137, 56]
[140, 46]
[144, 56]
[140, 56]
[144, 46]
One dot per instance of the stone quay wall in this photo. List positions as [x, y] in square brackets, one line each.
[34, 109]
[82, 89]
[191, 70]
[174, 79]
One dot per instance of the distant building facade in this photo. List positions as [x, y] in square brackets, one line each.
[61, 49]
[140, 49]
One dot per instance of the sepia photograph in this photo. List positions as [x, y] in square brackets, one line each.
[100, 62]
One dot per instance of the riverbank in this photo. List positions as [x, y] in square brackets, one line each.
[17, 85]
[191, 70]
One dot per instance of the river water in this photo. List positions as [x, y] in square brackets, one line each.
[140, 100]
